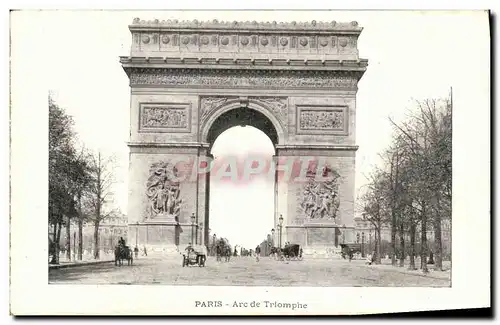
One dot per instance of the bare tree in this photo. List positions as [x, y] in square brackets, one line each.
[99, 193]
[374, 207]
[62, 173]
[427, 137]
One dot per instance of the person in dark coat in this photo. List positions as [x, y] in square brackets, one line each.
[257, 253]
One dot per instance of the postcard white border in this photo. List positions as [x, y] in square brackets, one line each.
[31, 294]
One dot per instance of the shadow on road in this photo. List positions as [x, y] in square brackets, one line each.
[76, 273]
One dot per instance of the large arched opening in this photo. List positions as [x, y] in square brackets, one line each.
[241, 203]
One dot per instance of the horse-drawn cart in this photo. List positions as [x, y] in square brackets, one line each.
[348, 250]
[194, 256]
[292, 252]
[123, 253]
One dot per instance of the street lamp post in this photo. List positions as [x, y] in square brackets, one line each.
[370, 242]
[136, 232]
[192, 227]
[201, 233]
[213, 245]
[281, 227]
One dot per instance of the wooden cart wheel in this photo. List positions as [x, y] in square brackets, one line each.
[292, 255]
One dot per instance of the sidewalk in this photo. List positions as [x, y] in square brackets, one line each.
[87, 260]
[66, 264]
[441, 275]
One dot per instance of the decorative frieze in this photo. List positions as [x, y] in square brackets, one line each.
[243, 37]
[244, 78]
[168, 117]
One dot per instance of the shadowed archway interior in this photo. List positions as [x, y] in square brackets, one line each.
[241, 117]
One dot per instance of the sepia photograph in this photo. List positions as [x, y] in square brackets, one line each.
[253, 149]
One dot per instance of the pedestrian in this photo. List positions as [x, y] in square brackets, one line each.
[257, 253]
[136, 251]
[145, 251]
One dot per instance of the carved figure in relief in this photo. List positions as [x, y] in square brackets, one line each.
[162, 192]
[320, 199]
[277, 105]
[208, 104]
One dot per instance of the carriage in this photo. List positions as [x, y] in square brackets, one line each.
[348, 250]
[123, 253]
[291, 252]
[194, 256]
[223, 250]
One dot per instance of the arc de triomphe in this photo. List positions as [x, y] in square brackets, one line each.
[190, 81]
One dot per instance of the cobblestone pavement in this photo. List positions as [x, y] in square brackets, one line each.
[246, 271]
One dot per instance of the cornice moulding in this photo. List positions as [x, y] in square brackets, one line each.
[246, 26]
[242, 63]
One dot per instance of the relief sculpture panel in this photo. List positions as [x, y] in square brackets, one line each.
[322, 119]
[320, 199]
[162, 192]
[165, 118]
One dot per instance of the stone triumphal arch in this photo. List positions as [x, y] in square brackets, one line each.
[190, 81]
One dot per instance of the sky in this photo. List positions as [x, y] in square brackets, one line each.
[412, 55]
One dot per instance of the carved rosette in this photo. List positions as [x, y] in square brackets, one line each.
[320, 199]
[162, 192]
[278, 107]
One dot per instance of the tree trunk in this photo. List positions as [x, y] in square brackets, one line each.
[378, 243]
[80, 239]
[80, 227]
[68, 239]
[402, 245]
[438, 243]
[423, 244]
[96, 240]
[393, 239]
[413, 231]
[55, 256]
[58, 239]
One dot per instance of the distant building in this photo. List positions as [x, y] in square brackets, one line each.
[110, 230]
[365, 233]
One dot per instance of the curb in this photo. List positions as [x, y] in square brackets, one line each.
[64, 266]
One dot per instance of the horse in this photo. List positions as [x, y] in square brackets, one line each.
[275, 252]
[227, 254]
[123, 253]
[223, 250]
